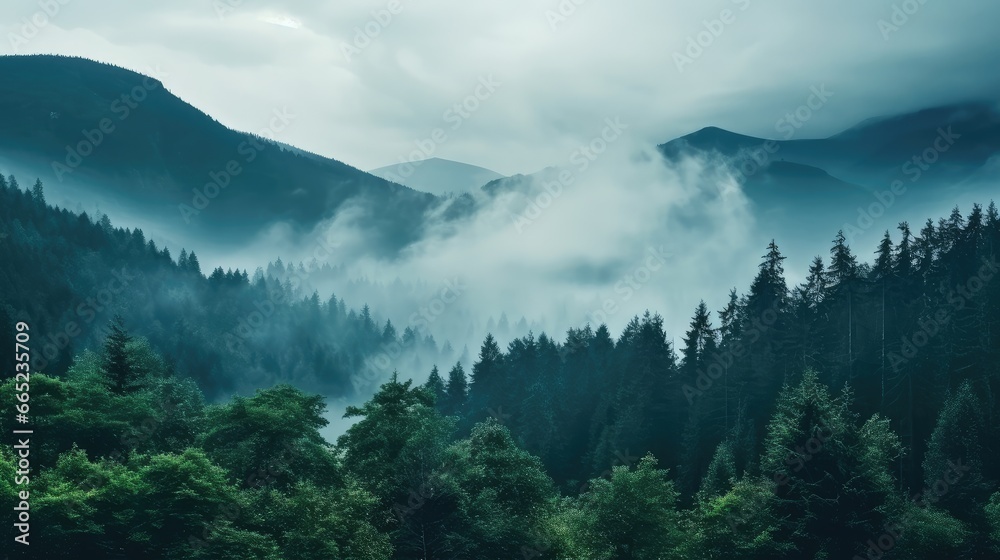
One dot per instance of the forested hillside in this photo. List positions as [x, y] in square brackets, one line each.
[853, 416]
[67, 274]
[123, 138]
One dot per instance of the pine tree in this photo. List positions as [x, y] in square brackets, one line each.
[992, 229]
[730, 320]
[456, 393]
[389, 333]
[503, 326]
[192, 263]
[435, 385]
[959, 450]
[842, 277]
[768, 290]
[367, 323]
[833, 487]
[698, 340]
[486, 390]
[884, 258]
[38, 192]
[843, 265]
[105, 223]
[927, 251]
[767, 364]
[808, 335]
[708, 419]
[116, 360]
[721, 473]
[816, 282]
[903, 266]
[883, 274]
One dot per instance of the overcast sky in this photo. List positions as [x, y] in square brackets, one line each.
[366, 100]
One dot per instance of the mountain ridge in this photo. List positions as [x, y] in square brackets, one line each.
[81, 121]
[438, 176]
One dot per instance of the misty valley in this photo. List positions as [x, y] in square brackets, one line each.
[612, 331]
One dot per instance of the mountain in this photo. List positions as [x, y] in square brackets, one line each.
[437, 176]
[861, 178]
[123, 142]
[801, 189]
[950, 143]
[100, 133]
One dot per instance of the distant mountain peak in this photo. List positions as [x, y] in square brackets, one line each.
[437, 175]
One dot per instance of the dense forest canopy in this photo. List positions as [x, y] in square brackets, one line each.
[851, 416]
[228, 330]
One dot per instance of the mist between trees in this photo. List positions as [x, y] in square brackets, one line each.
[511, 459]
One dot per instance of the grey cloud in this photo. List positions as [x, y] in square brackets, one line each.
[605, 58]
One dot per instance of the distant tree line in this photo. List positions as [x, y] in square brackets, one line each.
[853, 416]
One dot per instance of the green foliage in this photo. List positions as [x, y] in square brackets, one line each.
[178, 495]
[506, 497]
[721, 473]
[631, 515]
[117, 366]
[456, 392]
[397, 442]
[314, 523]
[75, 272]
[833, 487]
[38, 192]
[163, 415]
[924, 533]
[435, 385]
[961, 437]
[993, 518]
[271, 438]
[742, 523]
[129, 462]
